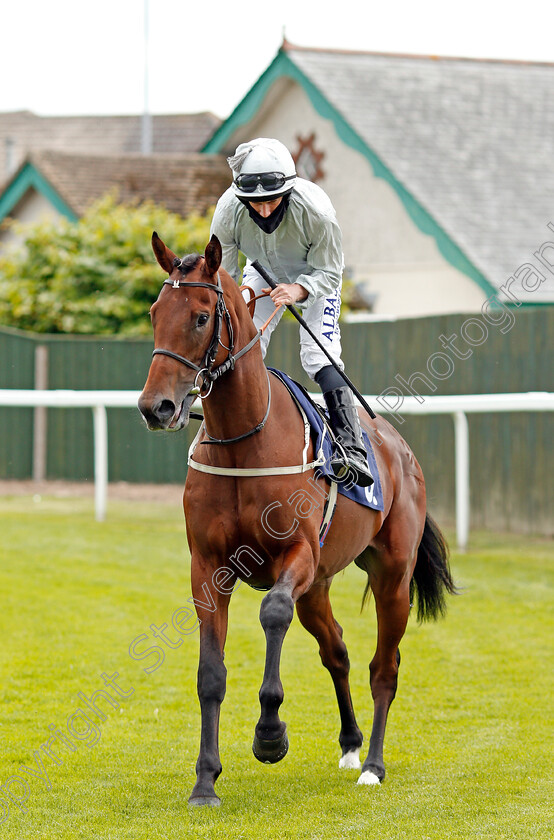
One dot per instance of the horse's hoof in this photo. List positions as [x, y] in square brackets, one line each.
[212, 801]
[270, 752]
[369, 778]
[351, 760]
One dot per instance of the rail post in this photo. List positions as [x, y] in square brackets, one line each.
[100, 423]
[461, 443]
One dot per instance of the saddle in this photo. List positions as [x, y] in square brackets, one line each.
[325, 444]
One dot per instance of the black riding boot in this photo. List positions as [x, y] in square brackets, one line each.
[345, 423]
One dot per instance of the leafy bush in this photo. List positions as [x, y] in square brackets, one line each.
[94, 276]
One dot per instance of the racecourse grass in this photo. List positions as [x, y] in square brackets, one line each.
[469, 742]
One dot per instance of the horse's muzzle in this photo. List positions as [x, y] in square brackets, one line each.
[160, 413]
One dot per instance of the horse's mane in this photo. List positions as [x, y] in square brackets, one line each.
[187, 263]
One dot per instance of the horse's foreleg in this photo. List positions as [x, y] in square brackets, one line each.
[212, 676]
[315, 613]
[393, 607]
[276, 612]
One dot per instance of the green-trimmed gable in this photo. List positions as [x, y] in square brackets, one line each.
[29, 177]
[283, 66]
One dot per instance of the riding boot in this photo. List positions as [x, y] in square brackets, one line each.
[345, 424]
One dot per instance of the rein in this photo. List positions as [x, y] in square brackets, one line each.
[253, 431]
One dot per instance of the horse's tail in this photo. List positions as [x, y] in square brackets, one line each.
[432, 579]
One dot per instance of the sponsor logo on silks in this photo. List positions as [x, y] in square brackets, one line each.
[330, 314]
[370, 495]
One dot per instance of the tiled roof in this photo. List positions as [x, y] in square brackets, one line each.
[472, 141]
[174, 134]
[183, 184]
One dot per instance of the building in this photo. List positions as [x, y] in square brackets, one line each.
[23, 132]
[440, 169]
[57, 166]
[52, 184]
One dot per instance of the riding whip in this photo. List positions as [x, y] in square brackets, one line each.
[271, 282]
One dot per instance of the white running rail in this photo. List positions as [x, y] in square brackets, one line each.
[458, 407]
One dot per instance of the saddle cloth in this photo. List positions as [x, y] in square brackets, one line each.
[371, 497]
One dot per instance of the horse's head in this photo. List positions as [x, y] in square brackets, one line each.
[187, 318]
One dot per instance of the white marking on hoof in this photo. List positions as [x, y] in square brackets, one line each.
[368, 778]
[351, 760]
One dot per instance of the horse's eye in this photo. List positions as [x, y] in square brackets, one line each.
[202, 320]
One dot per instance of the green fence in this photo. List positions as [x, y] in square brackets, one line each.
[511, 484]
[17, 370]
[82, 363]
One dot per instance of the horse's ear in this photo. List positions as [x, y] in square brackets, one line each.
[162, 253]
[212, 255]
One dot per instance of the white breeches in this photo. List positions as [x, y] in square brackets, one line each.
[322, 317]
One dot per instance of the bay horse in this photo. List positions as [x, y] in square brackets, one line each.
[252, 508]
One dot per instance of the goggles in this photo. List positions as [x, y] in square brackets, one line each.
[270, 181]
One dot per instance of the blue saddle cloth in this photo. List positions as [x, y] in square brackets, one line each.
[371, 497]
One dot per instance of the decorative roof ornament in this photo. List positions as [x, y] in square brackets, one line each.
[307, 159]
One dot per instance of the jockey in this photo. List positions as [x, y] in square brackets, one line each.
[289, 225]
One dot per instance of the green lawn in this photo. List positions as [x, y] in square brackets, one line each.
[469, 743]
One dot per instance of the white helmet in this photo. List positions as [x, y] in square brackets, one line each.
[263, 169]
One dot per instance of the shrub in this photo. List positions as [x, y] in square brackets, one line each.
[94, 276]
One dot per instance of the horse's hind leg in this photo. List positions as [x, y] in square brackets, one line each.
[315, 613]
[390, 581]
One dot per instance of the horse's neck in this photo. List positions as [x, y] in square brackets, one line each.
[239, 399]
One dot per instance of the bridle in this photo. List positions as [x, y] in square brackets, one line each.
[206, 372]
